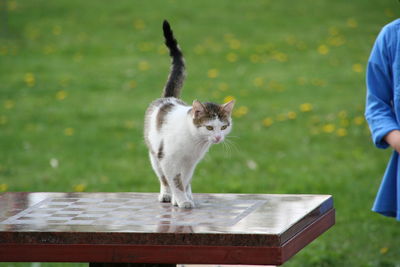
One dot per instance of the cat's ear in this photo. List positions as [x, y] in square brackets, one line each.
[198, 109]
[228, 107]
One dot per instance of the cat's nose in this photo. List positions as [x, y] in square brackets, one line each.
[217, 139]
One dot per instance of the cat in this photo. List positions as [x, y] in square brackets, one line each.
[178, 135]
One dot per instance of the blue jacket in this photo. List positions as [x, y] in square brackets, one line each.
[383, 111]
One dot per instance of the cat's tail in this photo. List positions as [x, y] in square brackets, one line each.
[177, 74]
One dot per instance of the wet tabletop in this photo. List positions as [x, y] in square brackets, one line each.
[138, 218]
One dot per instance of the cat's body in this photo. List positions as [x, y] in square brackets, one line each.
[179, 135]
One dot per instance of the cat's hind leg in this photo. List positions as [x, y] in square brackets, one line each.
[165, 191]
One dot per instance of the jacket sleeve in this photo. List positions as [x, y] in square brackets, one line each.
[379, 104]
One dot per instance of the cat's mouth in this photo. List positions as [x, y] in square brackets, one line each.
[217, 140]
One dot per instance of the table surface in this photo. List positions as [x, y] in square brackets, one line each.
[140, 221]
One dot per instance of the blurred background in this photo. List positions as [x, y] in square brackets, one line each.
[77, 76]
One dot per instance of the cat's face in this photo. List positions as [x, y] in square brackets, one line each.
[212, 121]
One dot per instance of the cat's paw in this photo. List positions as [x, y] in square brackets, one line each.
[174, 202]
[164, 198]
[186, 205]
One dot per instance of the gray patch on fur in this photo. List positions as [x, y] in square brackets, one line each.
[162, 113]
[164, 180]
[160, 153]
[151, 109]
[178, 182]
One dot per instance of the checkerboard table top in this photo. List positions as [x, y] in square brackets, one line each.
[266, 216]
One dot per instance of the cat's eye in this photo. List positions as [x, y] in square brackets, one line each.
[210, 128]
[224, 127]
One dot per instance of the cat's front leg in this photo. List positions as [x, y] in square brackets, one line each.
[189, 192]
[179, 196]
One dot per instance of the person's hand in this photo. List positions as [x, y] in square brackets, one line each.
[393, 139]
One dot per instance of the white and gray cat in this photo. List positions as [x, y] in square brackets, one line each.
[178, 135]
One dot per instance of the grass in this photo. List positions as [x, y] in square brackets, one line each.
[76, 77]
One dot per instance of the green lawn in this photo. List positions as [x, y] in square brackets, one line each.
[77, 76]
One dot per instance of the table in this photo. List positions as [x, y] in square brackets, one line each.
[102, 228]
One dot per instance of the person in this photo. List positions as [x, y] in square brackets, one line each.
[382, 113]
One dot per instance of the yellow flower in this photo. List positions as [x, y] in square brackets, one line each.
[279, 56]
[228, 99]
[306, 107]
[328, 128]
[61, 95]
[258, 81]
[212, 73]
[267, 122]
[12, 5]
[9, 104]
[336, 40]
[359, 120]
[357, 68]
[323, 49]
[384, 250]
[352, 23]
[144, 65]
[69, 131]
[231, 57]
[291, 115]
[341, 132]
[234, 44]
[79, 187]
[241, 111]
[3, 187]
[29, 79]
[139, 24]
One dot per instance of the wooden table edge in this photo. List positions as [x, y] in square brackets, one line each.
[248, 255]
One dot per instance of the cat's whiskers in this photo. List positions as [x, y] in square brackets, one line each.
[230, 144]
